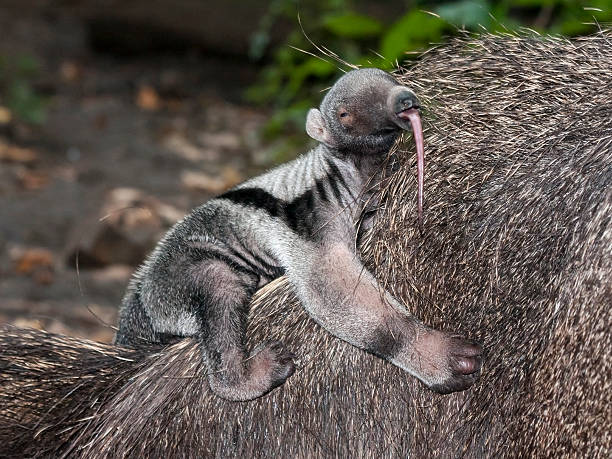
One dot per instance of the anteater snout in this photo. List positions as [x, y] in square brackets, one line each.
[405, 100]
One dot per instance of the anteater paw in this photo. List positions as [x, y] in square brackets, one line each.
[463, 364]
[272, 364]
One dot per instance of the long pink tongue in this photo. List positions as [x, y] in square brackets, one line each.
[417, 130]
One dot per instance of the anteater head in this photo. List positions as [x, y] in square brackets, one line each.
[364, 113]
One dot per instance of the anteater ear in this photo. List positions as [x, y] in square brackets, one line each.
[317, 128]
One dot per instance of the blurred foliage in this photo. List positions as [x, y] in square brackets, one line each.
[17, 92]
[292, 81]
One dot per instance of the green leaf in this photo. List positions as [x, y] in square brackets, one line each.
[534, 3]
[25, 103]
[352, 25]
[311, 67]
[27, 66]
[467, 13]
[376, 62]
[413, 31]
[573, 20]
[294, 115]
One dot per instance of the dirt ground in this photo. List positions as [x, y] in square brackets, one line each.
[171, 129]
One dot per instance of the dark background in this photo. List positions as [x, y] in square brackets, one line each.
[116, 117]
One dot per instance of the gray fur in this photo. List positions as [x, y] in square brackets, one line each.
[300, 220]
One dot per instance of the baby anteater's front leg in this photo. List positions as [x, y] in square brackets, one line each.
[344, 297]
[224, 296]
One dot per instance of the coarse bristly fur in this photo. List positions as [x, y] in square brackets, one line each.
[517, 251]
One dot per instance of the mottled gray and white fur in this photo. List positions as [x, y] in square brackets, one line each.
[300, 220]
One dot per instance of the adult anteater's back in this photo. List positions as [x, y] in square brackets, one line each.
[519, 242]
[517, 252]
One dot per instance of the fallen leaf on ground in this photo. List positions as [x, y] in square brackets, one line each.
[5, 115]
[220, 140]
[180, 145]
[231, 176]
[22, 322]
[147, 98]
[28, 260]
[16, 154]
[43, 276]
[32, 180]
[200, 181]
[70, 71]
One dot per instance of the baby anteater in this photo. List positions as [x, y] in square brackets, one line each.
[300, 220]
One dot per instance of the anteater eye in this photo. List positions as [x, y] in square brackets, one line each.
[343, 114]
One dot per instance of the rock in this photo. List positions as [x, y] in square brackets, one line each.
[126, 228]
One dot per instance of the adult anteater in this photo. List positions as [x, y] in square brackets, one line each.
[517, 252]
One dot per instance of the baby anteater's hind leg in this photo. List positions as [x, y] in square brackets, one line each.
[232, 374]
